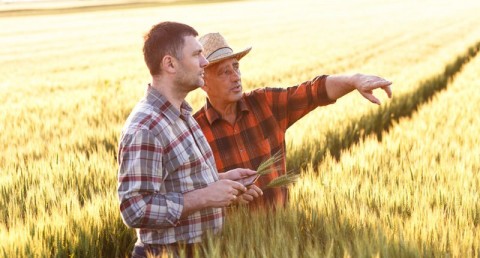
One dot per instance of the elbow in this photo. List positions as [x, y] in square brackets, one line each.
[130, 223]
[132, 219]
[139, 213]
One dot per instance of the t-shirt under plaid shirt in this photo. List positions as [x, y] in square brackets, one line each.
[163, 154]
[258, 133]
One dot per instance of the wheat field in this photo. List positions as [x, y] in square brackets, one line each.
[396, 180]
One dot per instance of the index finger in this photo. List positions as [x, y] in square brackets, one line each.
[388, 90]
[245, 172]
[381, 83]
[238, 186]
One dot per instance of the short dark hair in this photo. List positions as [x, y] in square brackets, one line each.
[165, 38]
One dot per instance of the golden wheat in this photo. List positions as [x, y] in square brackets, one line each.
[68, 81]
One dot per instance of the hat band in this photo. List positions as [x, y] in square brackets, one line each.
[219, 53]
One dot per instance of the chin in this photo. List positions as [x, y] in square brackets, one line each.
[237, 97]
[199, 84]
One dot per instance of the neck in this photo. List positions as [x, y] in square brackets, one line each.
[228, 110]
[168, 89]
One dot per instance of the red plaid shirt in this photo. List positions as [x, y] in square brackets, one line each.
[263, 117]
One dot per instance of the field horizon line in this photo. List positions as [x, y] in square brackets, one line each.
[110, 5]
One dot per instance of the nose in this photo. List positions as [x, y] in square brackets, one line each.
[203, 61]
[236, 75]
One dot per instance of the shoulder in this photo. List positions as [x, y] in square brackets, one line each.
[145, 117]
[262, 94]
[263, 91]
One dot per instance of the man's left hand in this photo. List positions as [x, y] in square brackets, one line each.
[238, 174]
[248, 196]
[365, 84]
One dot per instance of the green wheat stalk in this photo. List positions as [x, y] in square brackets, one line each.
[283, 180]
[266, 168]
[269, 165]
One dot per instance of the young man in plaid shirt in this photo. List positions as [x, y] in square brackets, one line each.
[244, 129]
[168, 185]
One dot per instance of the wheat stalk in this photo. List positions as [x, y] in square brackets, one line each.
[269, 165]
[266, 168]
[283, 180]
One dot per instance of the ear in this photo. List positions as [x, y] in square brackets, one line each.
[168, 64]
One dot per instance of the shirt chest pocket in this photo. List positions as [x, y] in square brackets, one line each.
[186, 169]
[177, 158]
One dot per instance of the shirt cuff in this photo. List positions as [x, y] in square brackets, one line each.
[174, 208]
[322, 96]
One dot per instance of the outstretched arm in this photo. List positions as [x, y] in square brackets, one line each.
[339, 85]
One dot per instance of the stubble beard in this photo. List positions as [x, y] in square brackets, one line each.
[188, 83]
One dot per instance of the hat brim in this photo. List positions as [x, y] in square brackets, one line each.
[238, 56]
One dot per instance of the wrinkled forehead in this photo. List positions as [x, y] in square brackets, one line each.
[222, 64]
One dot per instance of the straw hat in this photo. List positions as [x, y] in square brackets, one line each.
[216, 48]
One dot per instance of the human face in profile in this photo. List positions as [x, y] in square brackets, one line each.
[191, 65]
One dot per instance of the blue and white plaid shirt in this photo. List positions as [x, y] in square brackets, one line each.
[163, 154]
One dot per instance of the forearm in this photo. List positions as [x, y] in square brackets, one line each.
[193, 201]
[339, 85]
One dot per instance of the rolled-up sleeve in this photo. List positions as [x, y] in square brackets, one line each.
[140, 179]
[290, 104]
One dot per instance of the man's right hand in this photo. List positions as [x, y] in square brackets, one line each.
[222, 193]
[216, 195]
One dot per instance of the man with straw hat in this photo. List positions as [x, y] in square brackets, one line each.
[244, 129]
